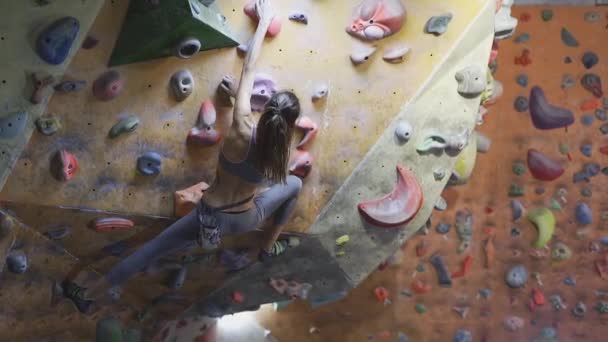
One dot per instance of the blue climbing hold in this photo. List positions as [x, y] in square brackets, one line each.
[580, 176]
[443, 228]
[570, 281]
[402, 337]
[149, 164]
[587, 120]
[485, 293]
[583, 213]
[587, 149]
[589, 59]
[521, 104]
[592, 169]
[522, 80]
[522, 38]
[463, 335]
[55, 42]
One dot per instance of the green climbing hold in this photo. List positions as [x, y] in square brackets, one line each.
[564, 148]
[109, 329]
[602, 307]
[547, 14]
[516, 190]
[568, 38]
[544, 221]
[555, 205]
[420, 308]
[125, 125]
[519, 168]
[420, 268]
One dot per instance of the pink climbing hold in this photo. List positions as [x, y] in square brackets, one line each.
[110, 224]
[301, 164]
[108, 86]
[542, 167]
[204, 133]
[64, 165]
[275, 26]
[377, 19]
[310, 130]
[398, 207]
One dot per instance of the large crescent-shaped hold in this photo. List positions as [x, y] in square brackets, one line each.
[398, 207]
[542, 167]
[275, 26]
[545, 115]
[110, 224]
[544, 221]
[64, 165]
[310, 130]
[204, 133]
[377, 19]
[301, 164]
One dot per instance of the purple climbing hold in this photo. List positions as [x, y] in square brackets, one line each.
[16, 261]
[108, 86]
[590, 59]
[593, 84]
[580, 176]
[545, 115]
[70, 86]
[263, 89]
[517, 210]
[54, 42]
[587, 150]
[299, 18]
[443, 276]
[583, 213]
[592, 169]
[521, 104]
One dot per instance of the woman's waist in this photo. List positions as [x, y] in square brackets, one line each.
[229, 203]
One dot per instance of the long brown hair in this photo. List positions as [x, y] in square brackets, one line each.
[274, 133]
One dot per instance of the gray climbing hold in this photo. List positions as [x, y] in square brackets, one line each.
[583, 213]
[589, 59]
[438, 25]
[403, 131]
[71, 86]
[579, 310]
[586, 191]
[471, 81]
[568, 81]
[12, 125]
[125, 125]
[517, 276]
[522, 80]
[182, 84]
[441, 204]
[443, 228]
[187, 48]
[485, 293]
[522, 38]
[483, 142]
[587, 150]
[16, 261]
[463, 335]
[149, 164]
[177, 278]
[54, 42]
[568, 38]
[592, 16]
[299, 17]
[521, 104]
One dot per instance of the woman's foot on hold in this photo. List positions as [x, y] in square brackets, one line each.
[75, 293]
[278, 248]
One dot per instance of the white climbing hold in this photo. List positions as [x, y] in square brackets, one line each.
[403, 131]
[320, 92]
[396, 54]
[362, 54]
[483, 142]
[471, 81]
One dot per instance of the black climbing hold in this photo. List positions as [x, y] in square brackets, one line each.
[515, 232]
[71, 86]
[589, 59]
[177, 278]
[521, 104]
[16, 261]
[12, 124]
[546, 14]
[57, 233]
[568, 38]
[54, 43]
[149, 164]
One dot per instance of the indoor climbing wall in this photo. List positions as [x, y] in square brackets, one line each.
[564, 295]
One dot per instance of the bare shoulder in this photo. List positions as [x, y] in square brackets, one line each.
[236, 143]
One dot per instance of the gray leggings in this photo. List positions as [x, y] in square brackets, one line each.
[279, 200]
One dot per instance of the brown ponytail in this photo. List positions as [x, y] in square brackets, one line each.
[274, 134]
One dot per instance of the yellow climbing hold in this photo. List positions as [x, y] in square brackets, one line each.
[544, 221]
[342, 240]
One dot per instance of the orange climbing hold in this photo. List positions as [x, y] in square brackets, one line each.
[422, 248]
[538, 299]
[466, 265]
[591, 104]
[524, 59]
[398, 207]
[490, 251]
[420, 287]
[381, 293]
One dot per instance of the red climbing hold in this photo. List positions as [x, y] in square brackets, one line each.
[398, 207]
[64, 165]
[381, 293]
[275, 26]
[537, 298]
[601, 265]
[542, 167]
[466, 265]
[110, 224]
[420, 287]
[204, 133]
[524, 17]
[524, 59]
[301, 164]
[604, 149]
[310, 130]
[591, 104]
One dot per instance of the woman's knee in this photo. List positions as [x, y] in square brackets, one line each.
[295, 185]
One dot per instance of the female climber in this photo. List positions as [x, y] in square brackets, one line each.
[238, 201]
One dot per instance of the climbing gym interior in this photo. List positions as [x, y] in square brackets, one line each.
[303, 170]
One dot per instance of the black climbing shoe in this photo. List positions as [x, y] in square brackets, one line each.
[75, 293]
[279, 247]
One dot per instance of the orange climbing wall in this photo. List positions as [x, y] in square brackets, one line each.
[360, 315]
[362, 102]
